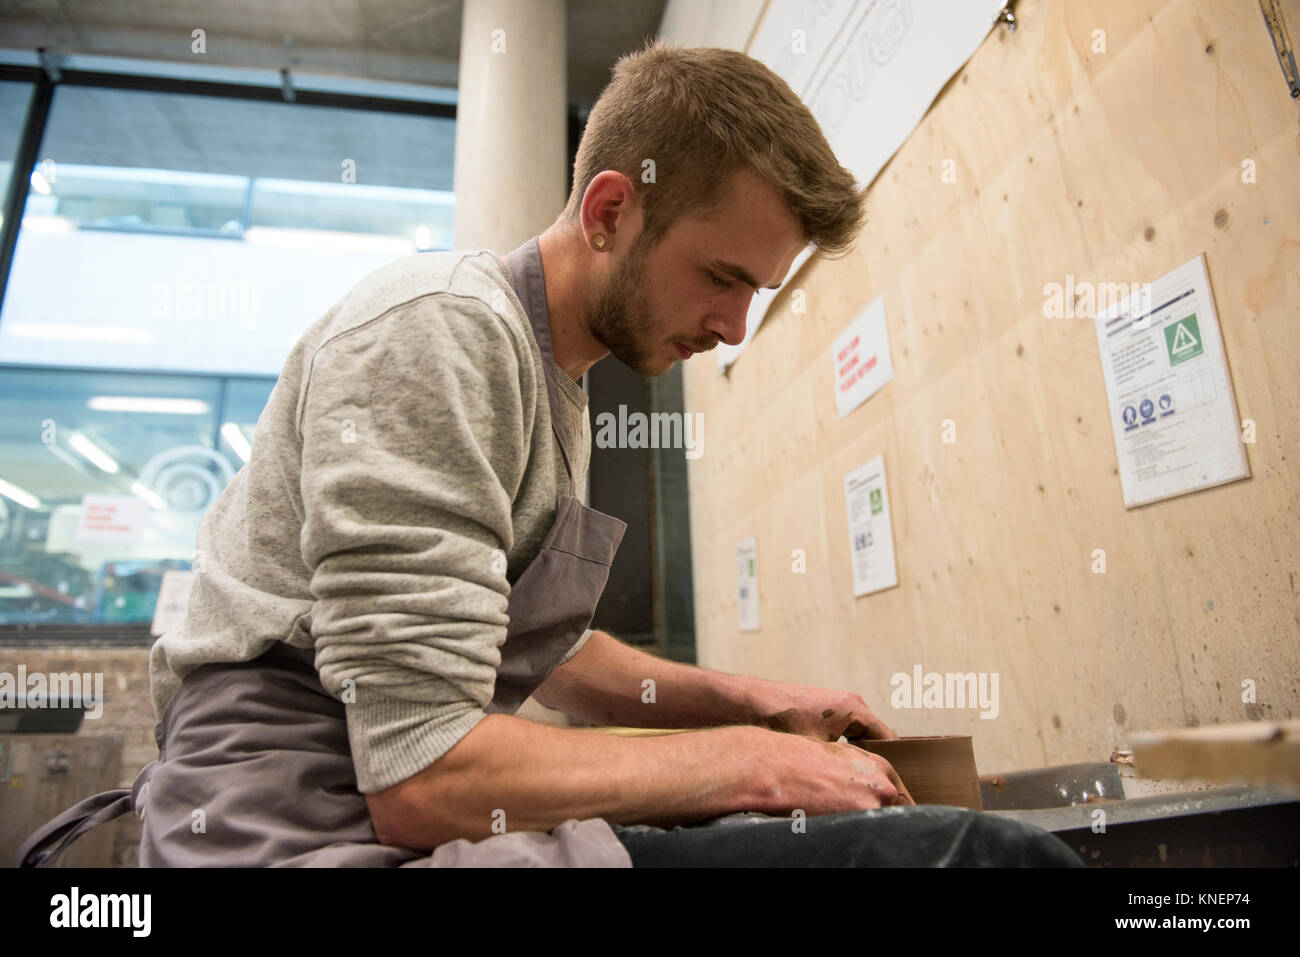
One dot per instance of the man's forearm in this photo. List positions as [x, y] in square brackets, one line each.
[526, 776]
[606, 683]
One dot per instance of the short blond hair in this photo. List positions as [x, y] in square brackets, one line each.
[701, 114]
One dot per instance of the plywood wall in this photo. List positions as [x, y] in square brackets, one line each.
[1113, 167]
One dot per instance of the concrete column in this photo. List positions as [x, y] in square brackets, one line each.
[511, 154]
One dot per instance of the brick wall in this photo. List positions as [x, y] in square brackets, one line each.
[128, 711]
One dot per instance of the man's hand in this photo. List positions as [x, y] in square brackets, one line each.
[817, 713]
[826, 777]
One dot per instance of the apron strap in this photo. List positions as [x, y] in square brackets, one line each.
[53, 837]
[528, 280]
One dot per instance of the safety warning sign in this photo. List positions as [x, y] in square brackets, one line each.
[1172, 407]
[1183, 341]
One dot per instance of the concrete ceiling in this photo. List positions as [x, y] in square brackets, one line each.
[407, 41]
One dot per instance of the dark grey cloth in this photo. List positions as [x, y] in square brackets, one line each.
[254, 771]
[926, 836]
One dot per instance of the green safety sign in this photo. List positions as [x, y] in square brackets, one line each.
[1183, 340]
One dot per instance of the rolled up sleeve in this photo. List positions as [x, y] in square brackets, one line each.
[415, 429]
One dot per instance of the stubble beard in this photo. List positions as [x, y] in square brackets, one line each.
[619, 317]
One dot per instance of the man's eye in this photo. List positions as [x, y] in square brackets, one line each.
[720, 282]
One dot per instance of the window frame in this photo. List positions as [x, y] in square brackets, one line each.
[46, 81]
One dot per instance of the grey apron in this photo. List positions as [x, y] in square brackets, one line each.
[254, 765]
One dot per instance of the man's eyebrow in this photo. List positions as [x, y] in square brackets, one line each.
[739, 272]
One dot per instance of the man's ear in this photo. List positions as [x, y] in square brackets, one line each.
[611, 207]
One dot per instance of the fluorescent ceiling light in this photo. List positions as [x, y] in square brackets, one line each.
[397, 194]
[132, 403]
[145, 174]
[77, 333]
[327, 240]
[40, 184]
[23, 497]
[93, 452]
[48, 225]
[234, 437]
[149, 495]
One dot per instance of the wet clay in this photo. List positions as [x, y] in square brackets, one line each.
[935, 770]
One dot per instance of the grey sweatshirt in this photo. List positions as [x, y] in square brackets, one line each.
[403, 475]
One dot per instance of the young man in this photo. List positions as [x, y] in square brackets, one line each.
[404, 558]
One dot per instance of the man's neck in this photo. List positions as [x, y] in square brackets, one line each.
[563, 264]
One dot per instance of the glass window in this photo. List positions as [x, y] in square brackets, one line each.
[104, 477]
[173, 249]
[204, 234]
[14, 98]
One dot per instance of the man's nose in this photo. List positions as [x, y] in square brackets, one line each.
[731, 328]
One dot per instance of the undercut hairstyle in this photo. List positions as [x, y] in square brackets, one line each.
[701, 114]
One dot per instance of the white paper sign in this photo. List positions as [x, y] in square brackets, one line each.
[867, 71]
[1171, 402]
[747, 583]
[871, 537]
[112, 518]
[861, 358]
[173, 597]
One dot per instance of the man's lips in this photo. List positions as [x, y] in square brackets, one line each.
[683, 351]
